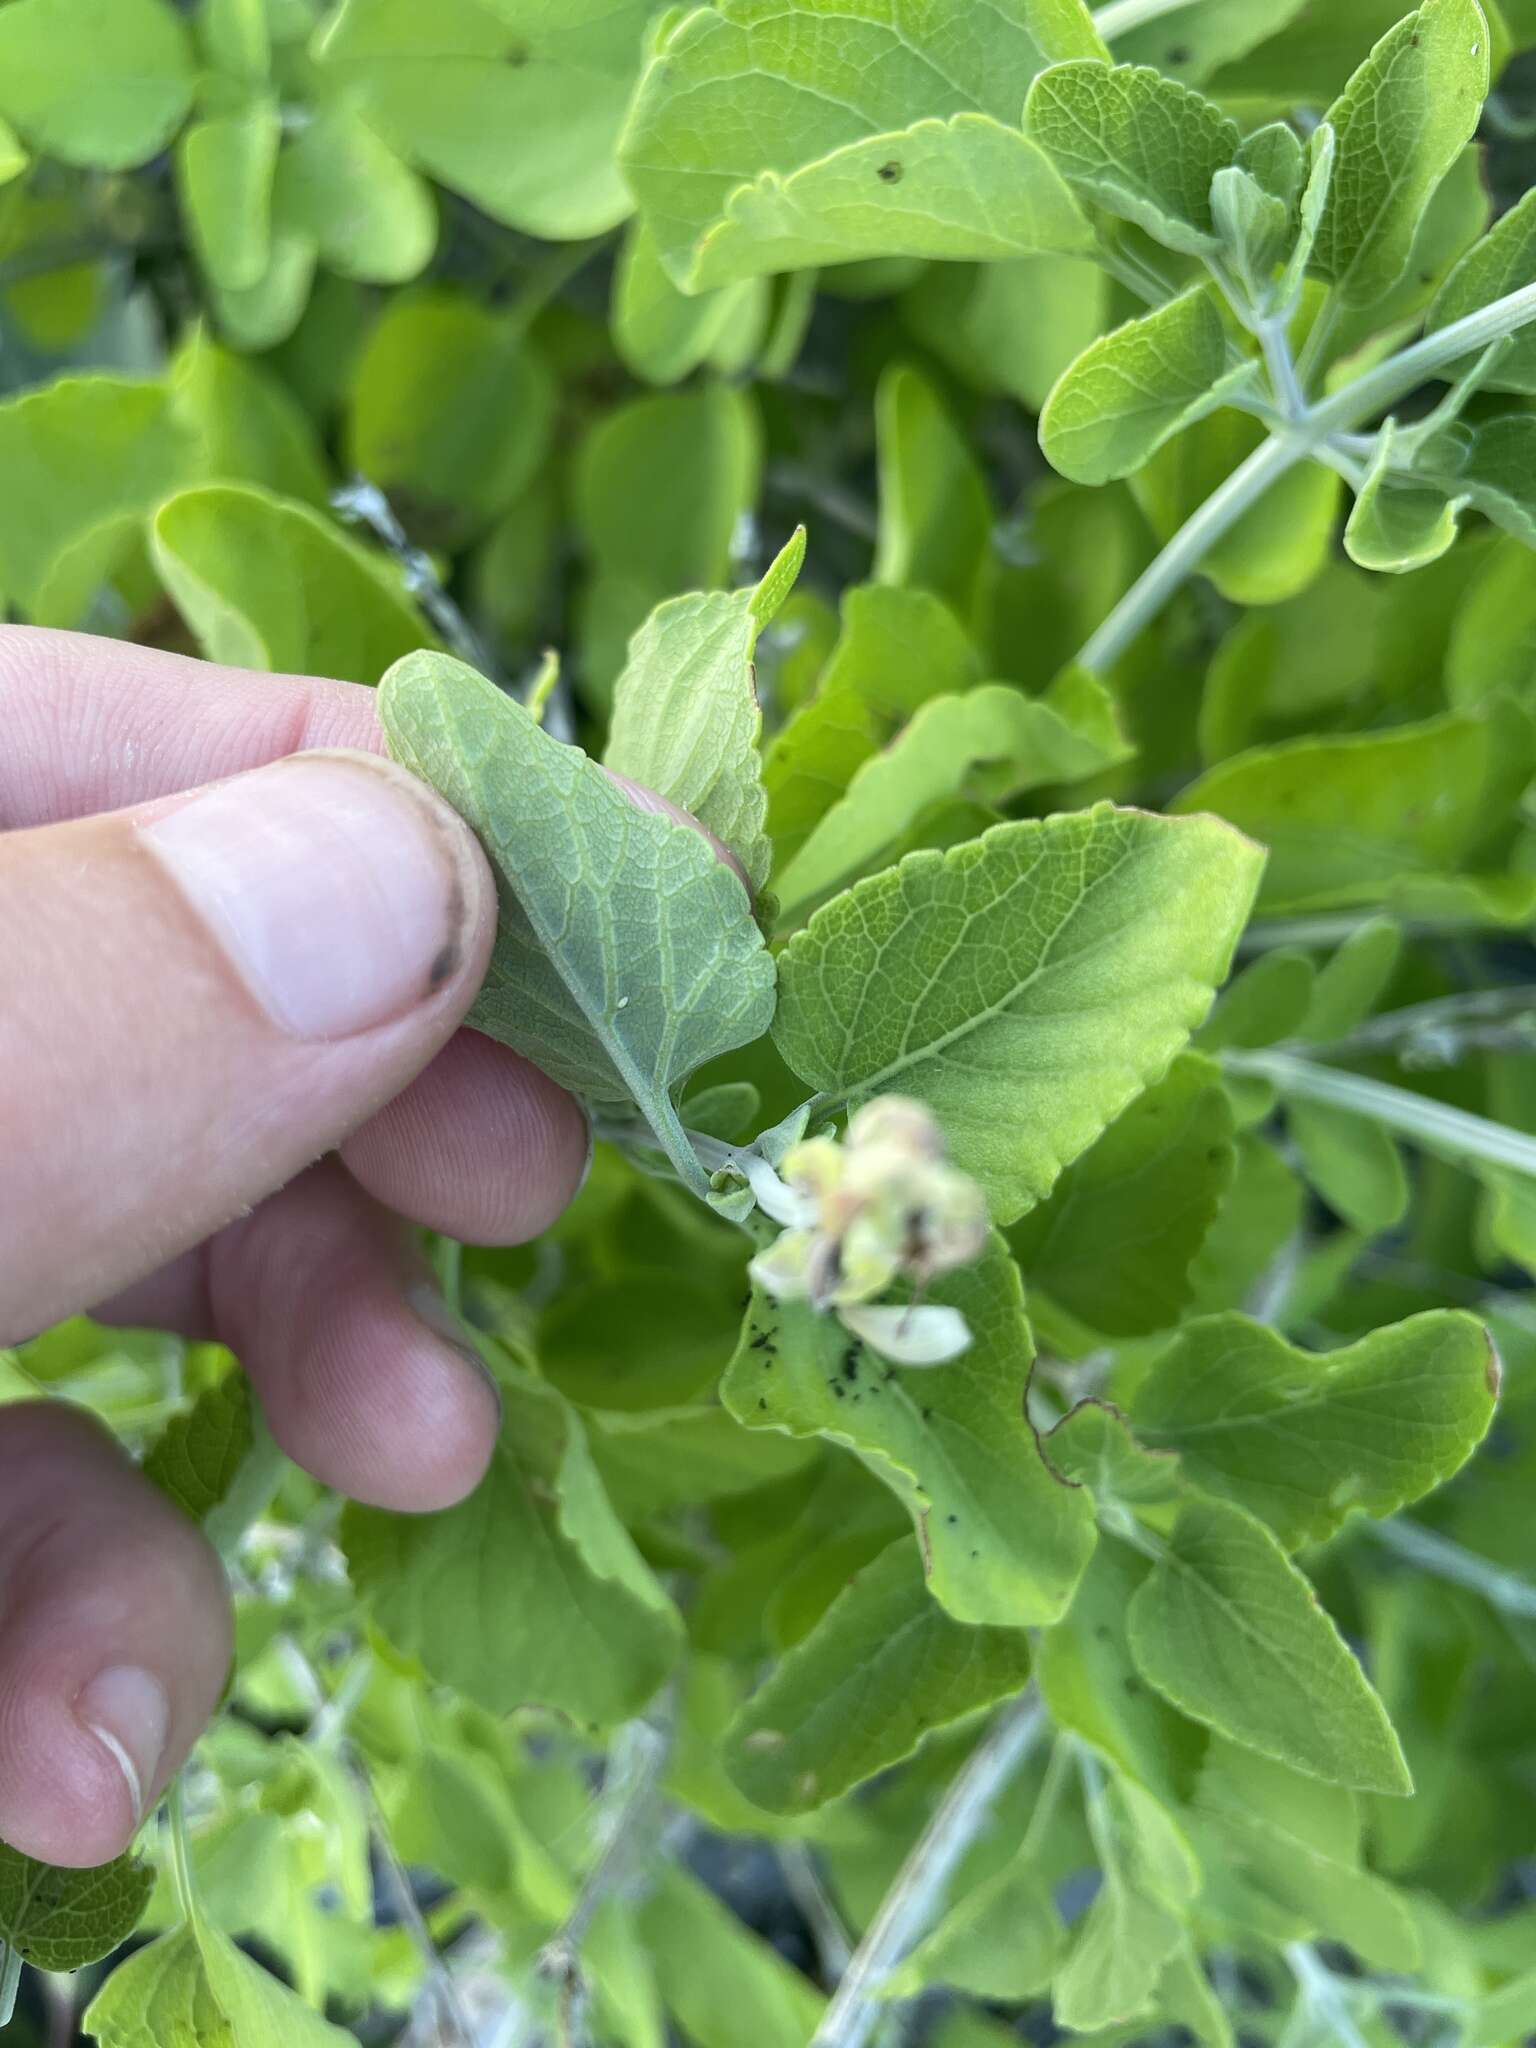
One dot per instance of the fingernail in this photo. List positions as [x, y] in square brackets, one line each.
[645, 799]
[335, 885]
[429, 1307]
[128, 1713]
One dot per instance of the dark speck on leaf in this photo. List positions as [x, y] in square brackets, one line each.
[952, 1520]
[851, 1362]
[838, 1388]
[1179, 54]
[889, 174]
[761, 1401]
[763, 1341]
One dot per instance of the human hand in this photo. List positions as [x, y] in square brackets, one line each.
[204, 995]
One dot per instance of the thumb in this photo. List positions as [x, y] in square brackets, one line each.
[207, 993]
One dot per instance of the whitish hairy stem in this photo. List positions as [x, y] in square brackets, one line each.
[1443, 1559]
[1453, 1134]
[803, 1882]
[10, 1983]
[455, 2028]
[1306, 437]
[1121, 16]
[181, 1851]
[363, 504]
[1438, 1032]
[913, 1902]
[1320, 1997]
[627, 1823]
[1275, 340]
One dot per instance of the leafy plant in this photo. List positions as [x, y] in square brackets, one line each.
[1001, 1445]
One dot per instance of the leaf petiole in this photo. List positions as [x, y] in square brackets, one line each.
[10, 1982]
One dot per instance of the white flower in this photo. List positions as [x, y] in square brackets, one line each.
[883, 1206]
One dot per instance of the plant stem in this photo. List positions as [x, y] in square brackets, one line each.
[1274, 339]
[1436, 1033]
[1119, 17]
[1452, 1134]
[913, 1900]
[181, 1853]
[1188, 549]
[636, 1762]
[1320, 1994]
[1307, 435]
[1398, 375]
[444, 1991]
[1443, 1559]
[10, 1982]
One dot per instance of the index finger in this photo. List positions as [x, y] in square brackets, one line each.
[93, 725]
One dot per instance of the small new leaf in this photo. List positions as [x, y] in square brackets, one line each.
[1401, 122]
[1140, 145]
[1132, 390]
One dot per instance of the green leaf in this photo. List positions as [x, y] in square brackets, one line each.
[1400, 522]
[1279, 546]
[993, 740]
[252, 430]
[1004, 1540]
[515, 104]
[236, 36]
[1376, 818]
[1089, 1681]
[935, 507]
[662, 333]
[966, 188]
[1353, 1163]
[1502, 261]
[1142, 146]
[1265, 1003]
[1253, 225]
[1230, 1631]
[529, 1592]
[1009, 327]
[1093, 1446]
[198, 1456]
[884, 1666]
[450, 411]
[686, 721]
[712, 1970]
[269, 584]
[13, 156]
[269, 311]
[1027, 985]
[1401, 123]
[1490, 466]
[1278, 1842]
[195, 1989]
[77, 454]
[1195, 40]
[368, 215]
[103, 83]
[1351, 984]
[1136, 388]
[1137, 1918]
[770, 138]
[1149, 1189]
[626, 955]
[1003, 1940]
[63, 1919]
[1302, 1440]
[660, 488]
[225, 167]
[897, 649]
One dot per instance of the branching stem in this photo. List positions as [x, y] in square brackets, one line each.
[910, 1905]
[1119, 17]
[1309, 435]
[1456, 1135]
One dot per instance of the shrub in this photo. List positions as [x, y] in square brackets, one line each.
[973, 1488]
